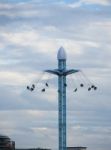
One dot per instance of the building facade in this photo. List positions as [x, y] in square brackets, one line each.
[76, 148]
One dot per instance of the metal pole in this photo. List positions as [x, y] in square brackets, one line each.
[60, 112]
[64, 113]
[62, 104]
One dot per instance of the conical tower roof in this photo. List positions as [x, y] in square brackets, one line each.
[61, 54]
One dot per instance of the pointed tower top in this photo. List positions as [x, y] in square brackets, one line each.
[61, 54]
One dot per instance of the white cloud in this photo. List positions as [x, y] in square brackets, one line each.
[17, 78]
[75, 5]
[25, 38]
[100, 2]
[5, 6]
[96, 2]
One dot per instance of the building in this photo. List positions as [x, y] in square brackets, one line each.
[76, 148]
[6, 143]
[32, 149]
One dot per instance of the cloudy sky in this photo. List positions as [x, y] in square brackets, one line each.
[31, 32]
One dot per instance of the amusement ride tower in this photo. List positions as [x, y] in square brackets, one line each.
[62, 72]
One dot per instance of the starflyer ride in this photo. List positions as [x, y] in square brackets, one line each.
[62, 72]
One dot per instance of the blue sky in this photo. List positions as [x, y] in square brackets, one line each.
[31, 32]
